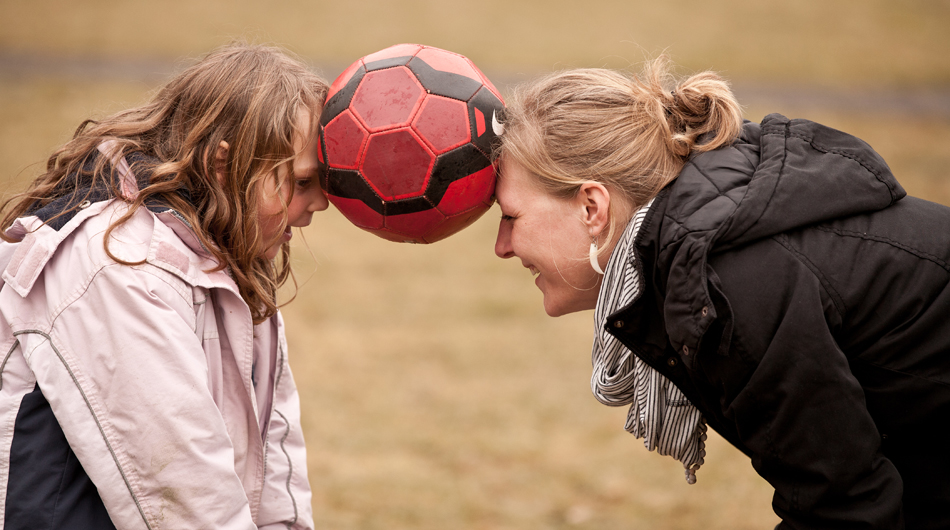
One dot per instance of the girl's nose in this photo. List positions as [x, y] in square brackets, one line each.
[319, 201]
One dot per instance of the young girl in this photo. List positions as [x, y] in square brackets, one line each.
[144, 380]
[771, 281]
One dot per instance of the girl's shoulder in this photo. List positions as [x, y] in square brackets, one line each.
[75, 252]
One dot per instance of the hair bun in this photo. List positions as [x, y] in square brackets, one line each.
[702, 109]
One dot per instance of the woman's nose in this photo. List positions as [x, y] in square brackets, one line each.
[503, 241]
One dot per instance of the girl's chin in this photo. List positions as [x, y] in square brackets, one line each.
[273, 251]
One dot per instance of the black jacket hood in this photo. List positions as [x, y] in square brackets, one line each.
[778, 176]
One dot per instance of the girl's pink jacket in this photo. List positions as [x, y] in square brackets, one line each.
[147, 369]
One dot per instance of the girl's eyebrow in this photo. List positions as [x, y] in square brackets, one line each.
[306, 172]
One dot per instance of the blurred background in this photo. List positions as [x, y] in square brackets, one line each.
[436, 393]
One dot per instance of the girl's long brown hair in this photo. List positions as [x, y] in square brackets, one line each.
[246, 95]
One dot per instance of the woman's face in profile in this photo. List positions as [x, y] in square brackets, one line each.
[550, 237]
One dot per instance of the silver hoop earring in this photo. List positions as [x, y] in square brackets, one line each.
[593, 256]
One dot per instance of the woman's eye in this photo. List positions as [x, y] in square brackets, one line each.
[507, 217]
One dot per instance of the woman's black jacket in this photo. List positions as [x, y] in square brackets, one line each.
[801, 302]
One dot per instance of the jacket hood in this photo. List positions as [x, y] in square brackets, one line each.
[779, 175]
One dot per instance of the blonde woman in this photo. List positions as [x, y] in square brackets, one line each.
[145, 382]
[770, 281]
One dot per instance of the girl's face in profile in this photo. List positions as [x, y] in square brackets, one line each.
[307, 195]
[550, 238]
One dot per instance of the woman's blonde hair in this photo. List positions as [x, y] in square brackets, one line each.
[631, 133]
[246, 95]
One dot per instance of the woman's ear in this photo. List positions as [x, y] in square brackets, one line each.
[221, 162]
[594, 200]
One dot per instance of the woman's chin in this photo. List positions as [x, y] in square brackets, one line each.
[553, 308]
[559, 306]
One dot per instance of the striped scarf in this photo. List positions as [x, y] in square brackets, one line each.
[659, 413]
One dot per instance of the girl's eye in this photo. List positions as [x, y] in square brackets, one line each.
[304, 183]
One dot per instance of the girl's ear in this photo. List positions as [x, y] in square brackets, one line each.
[221, 162]
[594, 201]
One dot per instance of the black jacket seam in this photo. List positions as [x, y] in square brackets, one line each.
[674, 241]
[779, 174]
[861, 162]
[719, 191]
[753, 163]
[902, 372]
[887, 241]
[782, 239]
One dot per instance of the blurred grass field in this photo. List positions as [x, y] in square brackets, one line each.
[436, 393]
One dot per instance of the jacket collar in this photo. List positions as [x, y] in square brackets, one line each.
[659, 412]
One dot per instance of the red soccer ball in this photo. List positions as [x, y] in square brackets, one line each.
[405, 143]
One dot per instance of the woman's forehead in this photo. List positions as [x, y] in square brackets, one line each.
[511, 181]
[519, 191]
